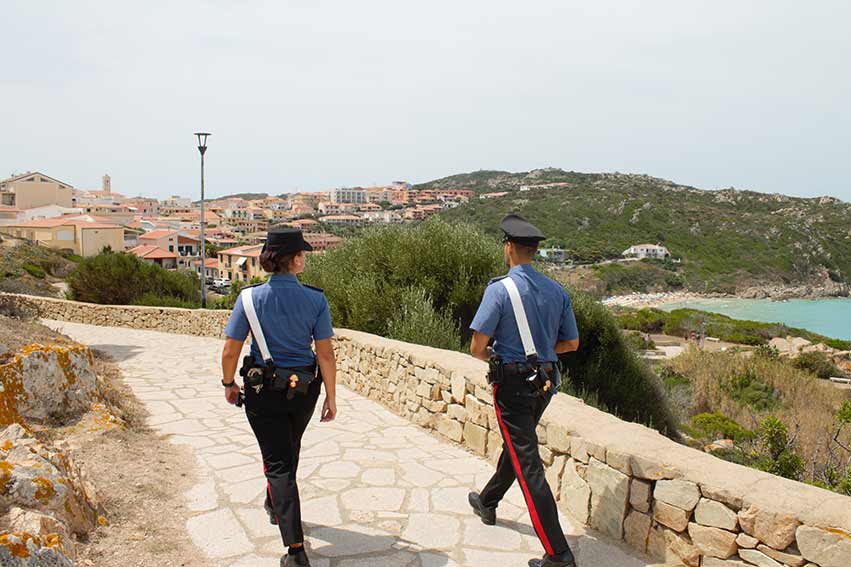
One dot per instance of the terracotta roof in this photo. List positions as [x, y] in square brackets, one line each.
[151, 253]
[157, 234]
[210, 263]
[250, 250]
[31, 173]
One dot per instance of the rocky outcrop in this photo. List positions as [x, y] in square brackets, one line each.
[819, 286]
[21, 549]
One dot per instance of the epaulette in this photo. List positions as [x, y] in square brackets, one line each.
[494, 280]
[319, 289]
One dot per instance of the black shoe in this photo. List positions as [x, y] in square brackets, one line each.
[297, 560]
[268, 507]
[561, 560]
[488, 515]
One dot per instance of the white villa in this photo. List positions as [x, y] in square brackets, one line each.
[641, 251]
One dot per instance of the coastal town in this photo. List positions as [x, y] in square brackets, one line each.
[52, 213]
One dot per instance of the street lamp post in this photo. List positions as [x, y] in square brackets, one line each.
[202, 147]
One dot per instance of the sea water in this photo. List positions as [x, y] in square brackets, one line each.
[829, 317]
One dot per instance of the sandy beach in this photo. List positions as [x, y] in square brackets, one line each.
[639, 300]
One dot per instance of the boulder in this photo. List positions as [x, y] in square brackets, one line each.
[45, 527]
[639, 494]
[758, 558]
[46, 382]
[672, 548]
[790, 557]
[670, 516]
[636, 529]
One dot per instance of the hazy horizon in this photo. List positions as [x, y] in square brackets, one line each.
[306, 97]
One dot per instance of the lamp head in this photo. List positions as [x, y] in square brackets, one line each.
[202, 141]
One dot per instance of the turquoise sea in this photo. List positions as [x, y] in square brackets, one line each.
[829, 317]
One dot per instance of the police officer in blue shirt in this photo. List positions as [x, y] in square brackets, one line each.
[282, 386]
[525, 376]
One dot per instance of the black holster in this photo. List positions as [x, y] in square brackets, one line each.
[496, 371]
[256, 375]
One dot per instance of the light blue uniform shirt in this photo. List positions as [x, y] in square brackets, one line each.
[548, 310]
[292, 316]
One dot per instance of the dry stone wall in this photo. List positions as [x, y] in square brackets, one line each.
[679, 505]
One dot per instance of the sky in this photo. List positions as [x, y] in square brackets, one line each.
[309, 95]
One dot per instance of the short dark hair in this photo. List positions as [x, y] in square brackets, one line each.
[528, 250]
[276, 263]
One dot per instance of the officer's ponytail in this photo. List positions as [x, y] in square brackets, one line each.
[276, 263]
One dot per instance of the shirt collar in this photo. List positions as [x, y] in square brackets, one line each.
[282, 279]
[522, 269]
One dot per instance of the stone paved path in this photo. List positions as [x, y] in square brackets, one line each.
[376, 489]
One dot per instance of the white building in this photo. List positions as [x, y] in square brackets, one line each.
[356, 195]
[641, 251]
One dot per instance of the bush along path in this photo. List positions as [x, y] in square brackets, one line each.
[375, 489]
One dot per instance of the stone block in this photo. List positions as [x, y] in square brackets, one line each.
[546, 455]
[746, 541]
[713, 542]
[554, 473]
[458, 387]
[639, 494]
[475, 437]
[649, 469]
[826, 548]
[609, 498]
[636, 529]
[619, 461]
[457, 412]
[575, 492]
[758, 558]
[715, 562]
[670, 516]
[775, 529]
[723, 495]
[671, 547]
[790, 557]
[494, 443]
[578, 449]
[680, 493]
[558, 439]
[715, 514]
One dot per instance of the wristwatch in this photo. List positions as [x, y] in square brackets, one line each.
[228, 384]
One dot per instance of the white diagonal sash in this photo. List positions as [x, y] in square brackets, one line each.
[520, 315]
[254, 323]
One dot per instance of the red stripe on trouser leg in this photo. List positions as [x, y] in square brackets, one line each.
[269, 492]
[533, 512]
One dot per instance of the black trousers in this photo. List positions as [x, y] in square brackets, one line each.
[518, 413]
[279, 425]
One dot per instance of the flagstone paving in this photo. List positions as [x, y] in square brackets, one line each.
[376, 490]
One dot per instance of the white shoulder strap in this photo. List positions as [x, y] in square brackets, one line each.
[520, 315]
[254, 323]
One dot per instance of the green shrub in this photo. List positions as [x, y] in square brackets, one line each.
[715, 425]
[748, 389]
[34, 270]
[123, 279]
[777, 454]
[606, 366]
[819, 363]
[417, 322]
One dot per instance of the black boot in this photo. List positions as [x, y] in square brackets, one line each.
[295, 557]
[565, 559]
[268, 507]
[488, 515]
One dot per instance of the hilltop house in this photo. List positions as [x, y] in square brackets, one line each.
[35, 189]
[80, 236]
[186, 246]
[241, 263]
[642, 251]
[155, 255]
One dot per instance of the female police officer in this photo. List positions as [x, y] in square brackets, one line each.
[281, 382]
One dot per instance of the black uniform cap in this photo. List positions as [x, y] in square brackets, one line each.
[519, 230]
[286, 241]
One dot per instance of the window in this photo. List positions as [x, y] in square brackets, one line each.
[171, 248]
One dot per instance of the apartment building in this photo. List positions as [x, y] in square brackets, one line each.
[186, 246]
[342, 220]
[155, 255]
[354, 195]
[35, 189]
[241, 263]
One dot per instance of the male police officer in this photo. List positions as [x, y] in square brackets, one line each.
[531, 321]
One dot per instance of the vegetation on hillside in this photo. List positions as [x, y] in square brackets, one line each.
[680, 322]
[727, 239]
[123, 279]
[29, 269]
[423, 283]
[783, 419]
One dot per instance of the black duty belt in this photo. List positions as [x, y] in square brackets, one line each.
[525, 367]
